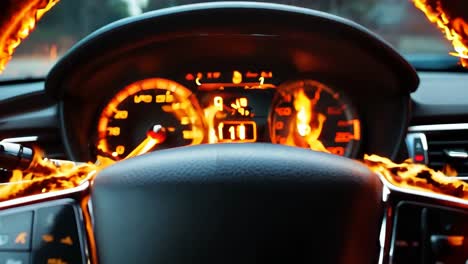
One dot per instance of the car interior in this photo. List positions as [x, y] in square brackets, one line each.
[235, 132]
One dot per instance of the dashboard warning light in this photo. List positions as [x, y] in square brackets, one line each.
[236, 77]
[189, 77]
[268, 74]
[419, 158]
[251, 74]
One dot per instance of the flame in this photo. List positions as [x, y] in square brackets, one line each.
[417, 176]
[448, 170]
[210, 113]
[46, 175]
[309, 124]
[20, 18]
[454, 28]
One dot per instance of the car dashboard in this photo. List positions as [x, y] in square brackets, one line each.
[333, 87]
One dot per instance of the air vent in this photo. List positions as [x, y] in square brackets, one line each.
[446, 145]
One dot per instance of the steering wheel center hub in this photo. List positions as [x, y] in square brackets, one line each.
[236, 203]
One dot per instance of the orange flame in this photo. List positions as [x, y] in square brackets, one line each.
[454, 28]
[309, 124]
[20, 18]
[210, 113]
[45, 175]
[417, 176]
[448, 170]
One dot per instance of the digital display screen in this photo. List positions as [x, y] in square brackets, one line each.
[237, 131]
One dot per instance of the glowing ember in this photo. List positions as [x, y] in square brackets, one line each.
[309, 124]
[446, 15]
[46, 175]
[18, 19]
[417, 176]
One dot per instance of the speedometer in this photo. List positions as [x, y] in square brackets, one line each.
[309, 114]
[148, 115]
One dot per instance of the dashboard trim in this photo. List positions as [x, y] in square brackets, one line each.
[438, 127]
[435, 198]
[44, 196]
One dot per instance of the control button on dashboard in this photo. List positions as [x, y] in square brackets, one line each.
[56, 236]
[407, 243]
[15, 231]
[14, 258]
[419, 151]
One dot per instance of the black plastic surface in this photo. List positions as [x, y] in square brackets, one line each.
[14, 257]
[236, 203]
[46, 232]
[424, 233]
[15, 231]
[56, 235]
[442, 98]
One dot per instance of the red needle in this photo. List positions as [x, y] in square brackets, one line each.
[154, 136]
[157, 133]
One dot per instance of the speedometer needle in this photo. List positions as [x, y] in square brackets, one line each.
[154, 136]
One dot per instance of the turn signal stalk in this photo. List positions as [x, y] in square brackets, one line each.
[15, 156]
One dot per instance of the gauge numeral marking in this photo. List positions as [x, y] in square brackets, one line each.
[283, 111]
[240, 129]
[113, 131]
[279, 125]
[344, 137]
[185, 120]
[347, 136]
[121, 114]
[218, 103]
[165, 98]
[142, 98]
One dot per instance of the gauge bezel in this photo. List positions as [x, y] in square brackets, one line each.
[354, 146]
[130, 89]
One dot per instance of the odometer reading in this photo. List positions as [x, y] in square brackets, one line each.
[149, 114]
[309, 114]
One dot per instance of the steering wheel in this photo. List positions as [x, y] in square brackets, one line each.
[238, 203]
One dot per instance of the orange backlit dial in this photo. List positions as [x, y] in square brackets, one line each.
[308, 114]
[148, 115]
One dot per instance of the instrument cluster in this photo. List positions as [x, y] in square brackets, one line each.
[226, 107]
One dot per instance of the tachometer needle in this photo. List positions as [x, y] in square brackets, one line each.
[154, 136]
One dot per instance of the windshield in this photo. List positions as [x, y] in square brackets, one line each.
[397, 21]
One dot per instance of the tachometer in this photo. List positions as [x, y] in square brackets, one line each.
[146, 115]
[309, 114]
